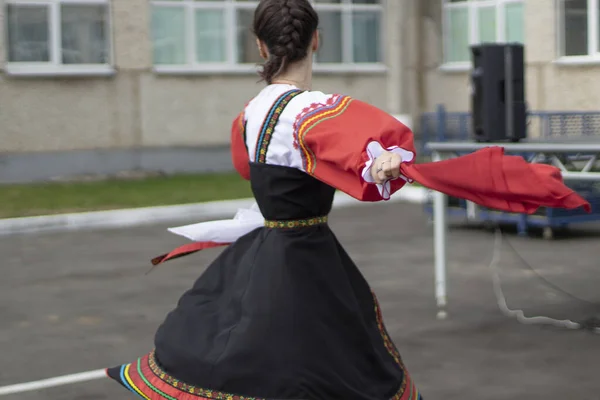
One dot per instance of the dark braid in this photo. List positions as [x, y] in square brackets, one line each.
[287, 28]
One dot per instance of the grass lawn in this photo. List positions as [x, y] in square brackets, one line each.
[56, 198]
[23, 200]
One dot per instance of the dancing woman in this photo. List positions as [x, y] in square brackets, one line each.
[283, 312]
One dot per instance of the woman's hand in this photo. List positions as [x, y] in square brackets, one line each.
[386, 167]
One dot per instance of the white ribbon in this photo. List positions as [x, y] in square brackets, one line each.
[223, 231]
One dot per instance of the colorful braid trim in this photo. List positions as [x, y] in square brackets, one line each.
[242, 127]
[146, 379]
[311, 117]
[271, 119]
[407, 390]
[309, 110]
[297, 223]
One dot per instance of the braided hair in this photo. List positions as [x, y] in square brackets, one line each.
[286, 27]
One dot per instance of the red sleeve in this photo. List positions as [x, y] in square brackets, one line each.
[339, 139]
[239, 152]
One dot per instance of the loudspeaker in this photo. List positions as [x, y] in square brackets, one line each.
[498, 92]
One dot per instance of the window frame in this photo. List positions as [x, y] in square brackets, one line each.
[230, 66]
[593, 35]
[55, 66]
[472, 6]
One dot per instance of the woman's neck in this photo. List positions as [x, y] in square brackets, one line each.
[298, 74]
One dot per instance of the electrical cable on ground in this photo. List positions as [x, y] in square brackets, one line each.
[592, 324]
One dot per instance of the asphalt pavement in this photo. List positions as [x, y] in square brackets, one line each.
[72, 302]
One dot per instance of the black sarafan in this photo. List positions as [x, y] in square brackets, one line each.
[282, 313]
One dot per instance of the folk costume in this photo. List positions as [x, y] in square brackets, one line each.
[283, 312]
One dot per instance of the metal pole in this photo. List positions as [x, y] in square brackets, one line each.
[471, 211]
[523, 147]
[439, 246]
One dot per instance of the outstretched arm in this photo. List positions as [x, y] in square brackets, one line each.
[368, 154]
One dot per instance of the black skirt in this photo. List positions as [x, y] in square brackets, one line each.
[283, 313]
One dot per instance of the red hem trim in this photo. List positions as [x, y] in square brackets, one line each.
[185, 250]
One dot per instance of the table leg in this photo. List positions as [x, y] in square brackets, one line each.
[439, 241]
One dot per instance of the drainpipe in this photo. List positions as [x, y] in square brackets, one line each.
[420, 12]
[396, 19]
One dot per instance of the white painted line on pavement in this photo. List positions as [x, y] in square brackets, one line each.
[53, 382]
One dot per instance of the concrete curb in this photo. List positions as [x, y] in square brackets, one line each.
[152, 215]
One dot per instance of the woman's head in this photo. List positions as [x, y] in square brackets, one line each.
[285, 32]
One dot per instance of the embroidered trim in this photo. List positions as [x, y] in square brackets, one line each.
[311, 117]
[304, 114]
[243, 122]
[242, 128]
[407, 383]
[190, 389]
[271, 119]
[297, 223]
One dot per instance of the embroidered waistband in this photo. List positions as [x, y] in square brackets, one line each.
[296, 223]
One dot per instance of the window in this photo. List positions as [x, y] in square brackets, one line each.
[579, 28]
[469, 22]
[213, 35]
[57, 36]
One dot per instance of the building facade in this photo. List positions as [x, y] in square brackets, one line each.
[92, 85]
[562, 49]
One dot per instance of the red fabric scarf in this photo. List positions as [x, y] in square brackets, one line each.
[494, 180]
